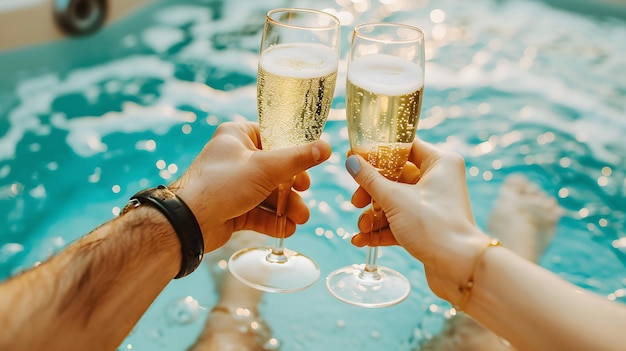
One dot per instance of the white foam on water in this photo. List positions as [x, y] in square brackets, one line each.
[162, 38]
[37, 94]
[86, 133]
[24, 118]
[232, 60]
[224, 104]
[140, 66]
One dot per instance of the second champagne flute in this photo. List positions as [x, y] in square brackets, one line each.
[296, 82]
[384, 91]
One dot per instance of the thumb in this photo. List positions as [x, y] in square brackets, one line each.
[366, 175]
[288, 162]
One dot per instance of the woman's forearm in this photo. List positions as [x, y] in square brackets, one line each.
[92, 294]
[509, 291]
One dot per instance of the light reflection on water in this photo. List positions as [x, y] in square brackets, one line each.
[511, 90]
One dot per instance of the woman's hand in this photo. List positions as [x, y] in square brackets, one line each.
[231, 184]
[430, 217]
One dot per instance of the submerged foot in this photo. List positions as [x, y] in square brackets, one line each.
[524, 217]
[234, 323]
[235, 329]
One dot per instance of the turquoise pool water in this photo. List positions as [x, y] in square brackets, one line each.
[514, 86]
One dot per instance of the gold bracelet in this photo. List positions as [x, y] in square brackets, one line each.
[467, 288]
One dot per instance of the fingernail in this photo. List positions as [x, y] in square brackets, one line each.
[353, 165]
[316, 153]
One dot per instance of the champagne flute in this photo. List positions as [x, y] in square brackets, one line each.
[297, 72]
[384, 91]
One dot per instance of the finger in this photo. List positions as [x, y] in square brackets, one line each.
[263, 220]
[296, 209]
[366, 222]
[368, 178]
[410, 174]
[246, 130]
[363, 239]
[422, 151]
[373, 232]
[360, 239]
[290, 161]
[303, 181]
[361, 198]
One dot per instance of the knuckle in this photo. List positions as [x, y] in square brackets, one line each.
[455, 159]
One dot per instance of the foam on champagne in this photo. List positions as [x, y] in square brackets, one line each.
[299, 60]
[386, 75]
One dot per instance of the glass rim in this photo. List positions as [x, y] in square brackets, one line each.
[334, 18]
[357, 32]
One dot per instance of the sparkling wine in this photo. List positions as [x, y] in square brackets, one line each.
[384, 98]
[387, 158]
[296, 84]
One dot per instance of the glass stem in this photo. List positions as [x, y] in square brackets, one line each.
[371, 266]
[278, 251]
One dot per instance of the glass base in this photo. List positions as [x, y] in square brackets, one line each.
[259, 268]
[382, 288]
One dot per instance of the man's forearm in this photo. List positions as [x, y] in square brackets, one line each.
[108, 280]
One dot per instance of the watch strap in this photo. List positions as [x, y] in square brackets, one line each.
[182, 220]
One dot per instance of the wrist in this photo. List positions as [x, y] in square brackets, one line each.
[151, 232]
[198, 204]
[181, 219]
[207, 212]
[458, 265]
[467, 288]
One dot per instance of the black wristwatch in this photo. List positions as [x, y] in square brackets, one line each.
[182, 220]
